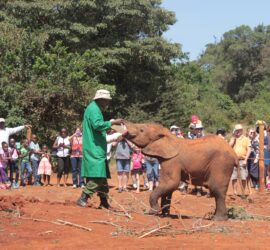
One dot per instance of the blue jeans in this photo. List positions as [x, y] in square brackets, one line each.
[152, 170]
[25, 166]
[76, 163]
[37, 178]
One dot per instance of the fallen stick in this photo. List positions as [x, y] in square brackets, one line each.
[259, 216]
[39, 220]
[74, 225]
[105, 223]
[58, 222]
[154, 230]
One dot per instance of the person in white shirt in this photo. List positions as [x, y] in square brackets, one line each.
[6, 132]
[62, 145]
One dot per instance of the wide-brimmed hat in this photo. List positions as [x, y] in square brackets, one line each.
[198, 126]
[2, 120]
[174, 127]
[237, 127]
[102, 94]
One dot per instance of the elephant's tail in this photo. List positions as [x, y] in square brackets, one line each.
[237, 165]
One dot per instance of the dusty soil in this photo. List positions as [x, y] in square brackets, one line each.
[29, 220]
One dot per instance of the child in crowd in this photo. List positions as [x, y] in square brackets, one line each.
[136, 159]
[13, 163]
[4, 157]
[25, 162]
[45, 166]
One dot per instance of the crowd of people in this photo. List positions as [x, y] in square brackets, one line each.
[28, 163]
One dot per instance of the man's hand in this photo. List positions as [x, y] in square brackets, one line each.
[28, 126]
[117, 122]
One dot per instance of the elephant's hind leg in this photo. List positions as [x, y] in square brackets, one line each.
[221, 211]
[165, 204]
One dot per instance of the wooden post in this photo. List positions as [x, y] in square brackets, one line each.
[261, 156]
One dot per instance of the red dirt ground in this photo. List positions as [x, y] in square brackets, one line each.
[28, 217]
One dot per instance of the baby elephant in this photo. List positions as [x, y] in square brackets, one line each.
[207, 162]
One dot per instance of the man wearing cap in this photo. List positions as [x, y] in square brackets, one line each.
[6, 132]
[94, 162]
[242, 147]
[175, 130]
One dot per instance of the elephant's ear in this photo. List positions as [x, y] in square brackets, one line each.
[165, 147]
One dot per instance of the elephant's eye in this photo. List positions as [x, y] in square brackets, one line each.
[141, 130]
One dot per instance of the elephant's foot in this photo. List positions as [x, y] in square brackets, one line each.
[154, 211]
[218, 217]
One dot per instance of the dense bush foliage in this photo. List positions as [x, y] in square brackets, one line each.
[55, 54]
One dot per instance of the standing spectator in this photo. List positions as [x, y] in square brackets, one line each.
[253, 160]
[152, 168]
[25, 163]
[62, 144]
[111, 137]
[175, 130]
[6, 132]
[221, 132]
[76, 158]
[35, 158]
[242, 147]
[191, 134]
[122, 156]
[136, 158]
[198, 130]
[198, 133]
[4, 157]
[266, 154]
[94, 163]
[45, 166]
[13, 163]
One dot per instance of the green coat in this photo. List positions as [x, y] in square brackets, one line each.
[94, 143]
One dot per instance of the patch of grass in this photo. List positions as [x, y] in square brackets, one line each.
[238, 213]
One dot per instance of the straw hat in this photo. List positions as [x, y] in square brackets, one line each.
[237, 127]
[102, 94]
[174, 127]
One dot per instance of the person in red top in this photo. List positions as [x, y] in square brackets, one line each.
[136, 159]
[76, 158]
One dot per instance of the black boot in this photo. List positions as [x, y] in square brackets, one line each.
[104, 203]
[82, 201]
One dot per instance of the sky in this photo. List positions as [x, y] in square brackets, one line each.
[200, 22]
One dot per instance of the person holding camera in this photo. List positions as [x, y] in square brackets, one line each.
[242, 147]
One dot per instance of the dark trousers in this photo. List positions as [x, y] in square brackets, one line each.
[99, 185]
[63, 166]
[76, 164]
[14, 168]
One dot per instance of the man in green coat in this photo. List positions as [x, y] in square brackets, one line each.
[94, 162]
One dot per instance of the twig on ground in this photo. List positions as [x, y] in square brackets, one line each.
[39, 220]
[105, 222]
[73, 225]
[58, 222]
[259, 216]
[119, 205]
[155, 230]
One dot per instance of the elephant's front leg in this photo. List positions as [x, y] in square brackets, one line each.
[164, 192]
[153, 200]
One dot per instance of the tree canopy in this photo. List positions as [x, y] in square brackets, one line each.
[54, 55]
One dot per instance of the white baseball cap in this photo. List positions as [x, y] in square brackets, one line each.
[2, 120]
[102, 94]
